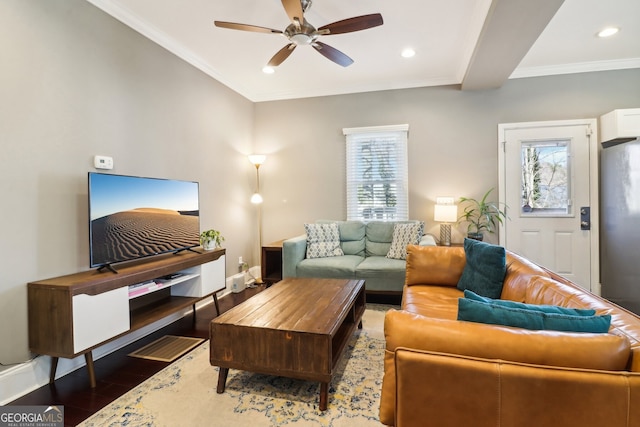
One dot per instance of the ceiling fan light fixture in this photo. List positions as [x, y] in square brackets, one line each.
[302, 39]
[608, 32]
[268, 70]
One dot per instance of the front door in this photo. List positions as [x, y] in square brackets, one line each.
[548, 181]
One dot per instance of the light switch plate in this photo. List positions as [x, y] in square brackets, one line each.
[103, 162]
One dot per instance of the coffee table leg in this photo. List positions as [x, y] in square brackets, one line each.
[222, 379]
[324, 391]
[360, 325]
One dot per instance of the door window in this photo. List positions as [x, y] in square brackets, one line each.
[545, 182]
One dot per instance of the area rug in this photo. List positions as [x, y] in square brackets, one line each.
[184, 393]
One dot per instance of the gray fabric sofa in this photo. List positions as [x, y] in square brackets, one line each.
[365, 246]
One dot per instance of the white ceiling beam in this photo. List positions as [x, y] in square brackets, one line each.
[511, 28]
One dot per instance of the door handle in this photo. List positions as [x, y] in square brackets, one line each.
[585, 218]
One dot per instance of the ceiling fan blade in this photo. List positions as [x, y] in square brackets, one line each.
[332, 54]
[281, 55]
[352, 24]
[294, 10]
[245, 27]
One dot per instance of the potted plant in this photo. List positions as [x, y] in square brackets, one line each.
[211, 239]
[481, 215]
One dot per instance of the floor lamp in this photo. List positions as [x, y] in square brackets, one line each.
[257, 160]
[445, 212]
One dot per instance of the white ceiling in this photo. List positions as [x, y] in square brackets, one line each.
[455, 41]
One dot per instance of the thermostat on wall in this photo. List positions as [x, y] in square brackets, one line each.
[103, 162]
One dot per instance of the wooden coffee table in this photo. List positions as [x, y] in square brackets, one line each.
[297, 328]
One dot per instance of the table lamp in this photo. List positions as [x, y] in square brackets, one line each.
[445, 212]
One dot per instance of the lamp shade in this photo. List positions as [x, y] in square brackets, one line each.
[257, 159]
[445, 213]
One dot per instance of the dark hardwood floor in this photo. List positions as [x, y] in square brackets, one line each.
[118, 373]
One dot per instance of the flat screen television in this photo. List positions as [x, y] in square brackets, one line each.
[132, 217]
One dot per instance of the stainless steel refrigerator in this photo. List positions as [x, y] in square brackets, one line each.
[620, 223]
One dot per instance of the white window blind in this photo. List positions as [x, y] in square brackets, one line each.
[377, 175]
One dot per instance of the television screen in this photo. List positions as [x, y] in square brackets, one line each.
[132, 217]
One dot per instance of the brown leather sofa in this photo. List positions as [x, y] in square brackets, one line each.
[443, 372]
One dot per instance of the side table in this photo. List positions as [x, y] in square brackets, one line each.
[272, 262]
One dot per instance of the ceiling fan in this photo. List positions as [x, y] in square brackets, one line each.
[301, 33]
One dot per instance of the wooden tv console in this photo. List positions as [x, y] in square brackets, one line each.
[71, 315]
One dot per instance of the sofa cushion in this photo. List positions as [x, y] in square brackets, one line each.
[379, 235]
[433, 301]
[376, 266]
[536, 307]
[519, 271]
[434, 265]
[491, 313]
[545, 290]
[323, 240]
[338, 267]
[403, 235]
[352, 235]
[484, 269]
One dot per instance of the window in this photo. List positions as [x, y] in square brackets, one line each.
[545, 178]
[377, 176]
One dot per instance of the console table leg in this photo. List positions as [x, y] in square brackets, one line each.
[88, 357]
[215, 301]
[222, 379]
[54, 367]
[324, 391]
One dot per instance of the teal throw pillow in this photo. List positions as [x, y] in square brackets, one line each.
[484, 270]
[483, 312]
[536, 307]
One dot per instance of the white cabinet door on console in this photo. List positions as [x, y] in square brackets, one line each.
[98, 318]
[211, 279]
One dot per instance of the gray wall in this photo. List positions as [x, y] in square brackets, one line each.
[74, 83]
[452, 140]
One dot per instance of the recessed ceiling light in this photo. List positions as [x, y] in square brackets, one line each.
[607, 32]
[268, 70]
[408, 53]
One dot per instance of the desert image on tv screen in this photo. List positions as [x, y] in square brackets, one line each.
[133, 217]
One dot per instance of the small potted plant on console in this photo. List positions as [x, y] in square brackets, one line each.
[211, 239]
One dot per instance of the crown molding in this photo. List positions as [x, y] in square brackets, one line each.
[580, 67]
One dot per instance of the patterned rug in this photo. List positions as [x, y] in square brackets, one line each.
[184, 393]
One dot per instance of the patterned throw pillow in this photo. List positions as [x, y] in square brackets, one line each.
[404, 234]
[323, 240]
